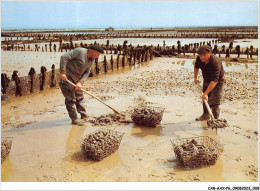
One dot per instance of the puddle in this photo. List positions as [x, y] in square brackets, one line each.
[212, 173]
[146, 132]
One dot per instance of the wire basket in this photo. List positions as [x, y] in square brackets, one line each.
[196, 151]
[147, 115]
[101, 143]
[6, 145]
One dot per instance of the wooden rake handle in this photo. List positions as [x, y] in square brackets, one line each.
[206, 103]
[209, 110]
[94, 97]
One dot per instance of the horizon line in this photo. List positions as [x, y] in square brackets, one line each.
[37, 28]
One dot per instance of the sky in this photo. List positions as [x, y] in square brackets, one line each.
[127, 14]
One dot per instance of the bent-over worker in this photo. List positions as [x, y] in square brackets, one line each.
[75, 66]
[213, 80]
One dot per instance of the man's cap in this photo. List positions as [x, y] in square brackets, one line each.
[96, 47]
[204, 49]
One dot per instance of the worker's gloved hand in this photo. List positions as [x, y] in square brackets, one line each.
[78, 86]
[63, 77]
[205, 96]
[196, 81]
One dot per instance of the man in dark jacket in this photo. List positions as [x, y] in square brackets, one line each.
[213, 80]
[75, 66]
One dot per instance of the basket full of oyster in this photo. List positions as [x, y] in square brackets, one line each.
[196, 151]
[147, 115]
[101, 143]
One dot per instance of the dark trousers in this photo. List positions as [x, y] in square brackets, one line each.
[215, 98]
[72, 98]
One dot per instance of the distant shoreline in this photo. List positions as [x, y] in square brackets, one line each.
[117, 29]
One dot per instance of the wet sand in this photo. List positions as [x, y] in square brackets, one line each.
[46, 147]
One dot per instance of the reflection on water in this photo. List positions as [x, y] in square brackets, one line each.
[120, 70]
[6, 170]
[233, 64]
[143, 131]
[74, 138]
[181, 62]
[137, 66]
[228, 64]
[109, 162]
[206, 171]
[80, 158]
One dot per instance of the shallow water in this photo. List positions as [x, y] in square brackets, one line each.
[22, 61]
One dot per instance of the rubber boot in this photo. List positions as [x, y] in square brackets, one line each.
[77, 122]
[215, 111]
[204, 116]
[84, 117]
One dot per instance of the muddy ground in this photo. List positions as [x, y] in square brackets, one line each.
[46, 147]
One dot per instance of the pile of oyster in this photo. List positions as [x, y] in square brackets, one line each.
[217, 123]
[108, 119]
